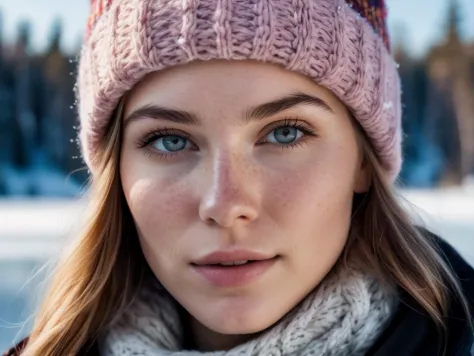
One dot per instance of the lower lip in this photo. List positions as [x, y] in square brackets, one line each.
[234, 276]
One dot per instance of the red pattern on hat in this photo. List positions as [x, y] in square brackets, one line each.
[375, 12]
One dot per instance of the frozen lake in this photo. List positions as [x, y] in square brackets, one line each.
[32, 232]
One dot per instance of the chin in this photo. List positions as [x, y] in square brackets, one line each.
[238, 322]
[242, 329]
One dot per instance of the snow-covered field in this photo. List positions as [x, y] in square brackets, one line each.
[37, 229]
[32, 232]
[449, 213]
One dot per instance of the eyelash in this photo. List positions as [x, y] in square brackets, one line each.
[293, 123]
[148, 139]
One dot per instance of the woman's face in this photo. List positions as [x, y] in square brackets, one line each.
[229, 161]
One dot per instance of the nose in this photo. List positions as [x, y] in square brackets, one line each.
[230, 196]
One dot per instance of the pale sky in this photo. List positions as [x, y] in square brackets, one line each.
[420, 21]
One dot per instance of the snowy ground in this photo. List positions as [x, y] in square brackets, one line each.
[449, 213]
[36, 230]
[32, 232]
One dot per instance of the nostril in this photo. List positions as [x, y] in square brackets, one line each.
[211, 221]
[226, 213]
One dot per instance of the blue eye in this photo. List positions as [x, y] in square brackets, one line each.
[170, 143]
[285, 135]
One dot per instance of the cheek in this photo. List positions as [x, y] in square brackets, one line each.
[153, 204]
[155, 199]
[160, 211]
[319, 184]
[313, 202]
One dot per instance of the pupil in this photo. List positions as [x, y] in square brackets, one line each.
[286, 134]
[174, 143]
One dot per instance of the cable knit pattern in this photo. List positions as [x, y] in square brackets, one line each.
[327, 40]
[344, 316]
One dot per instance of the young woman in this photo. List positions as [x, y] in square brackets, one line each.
[243, 155]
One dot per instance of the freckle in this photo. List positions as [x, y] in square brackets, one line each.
[170, 201]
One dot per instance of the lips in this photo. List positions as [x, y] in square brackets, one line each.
[227, 257]
[230, 269]
[233, 263]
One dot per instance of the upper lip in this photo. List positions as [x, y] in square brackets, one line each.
[231, 256]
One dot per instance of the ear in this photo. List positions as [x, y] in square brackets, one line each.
[362, 179]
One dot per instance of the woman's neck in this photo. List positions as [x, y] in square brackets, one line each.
[199, 337]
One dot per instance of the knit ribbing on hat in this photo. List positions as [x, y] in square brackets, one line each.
[326, 40]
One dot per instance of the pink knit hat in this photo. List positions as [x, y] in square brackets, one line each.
[341, 45]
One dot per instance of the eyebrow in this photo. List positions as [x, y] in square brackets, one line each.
[255, 113]
[274, 107]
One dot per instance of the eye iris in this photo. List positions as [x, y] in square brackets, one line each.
[286, 134]
[172, 143]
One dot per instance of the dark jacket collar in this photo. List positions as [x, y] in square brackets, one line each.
[412, 332]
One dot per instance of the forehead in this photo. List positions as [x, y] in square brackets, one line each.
[221, 87]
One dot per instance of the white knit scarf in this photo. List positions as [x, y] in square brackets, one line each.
[343, 316]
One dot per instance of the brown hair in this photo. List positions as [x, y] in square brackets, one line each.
[98, 276]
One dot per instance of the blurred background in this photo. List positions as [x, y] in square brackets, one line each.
[42, 176]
